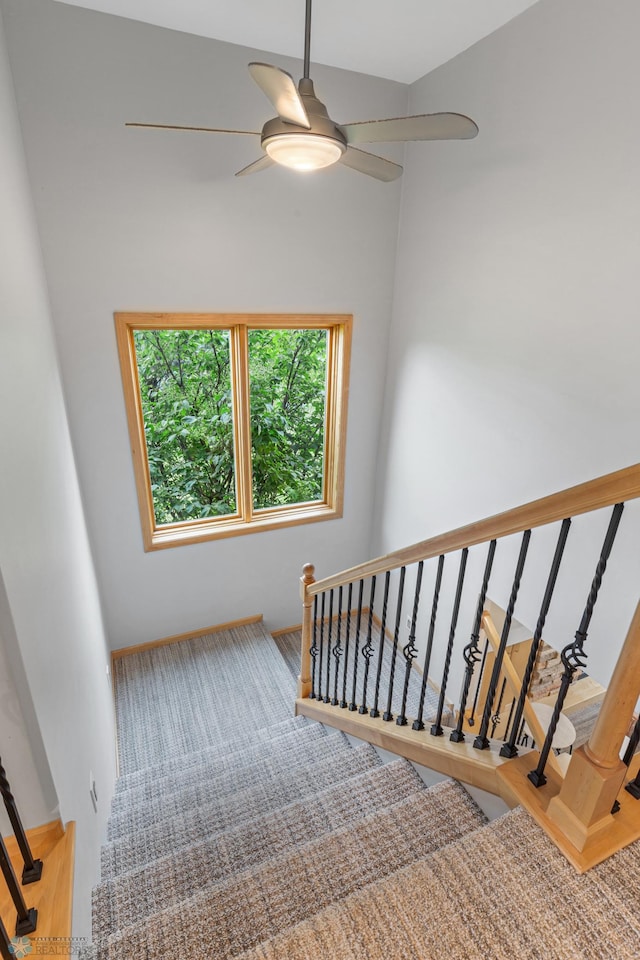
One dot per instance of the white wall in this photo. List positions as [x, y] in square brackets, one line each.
[50, 619]
[146, 220]
[513, 366]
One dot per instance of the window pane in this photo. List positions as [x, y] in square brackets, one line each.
[185, 382]
[287, 372]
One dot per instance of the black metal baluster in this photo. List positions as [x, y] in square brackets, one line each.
[472, 716]
[313, 650]
[327, 698]
[632, 746]
[573, 656]
[418, 722]
[509, 749]
[343, 702]
[367, 650]
[374, 712]
[471, 652]
[353, 705]
[509, 718]
[481, 742]
[32, 868]
[495, 719]
[337, 650]
[633, 787]
[27, 917]
[436, 728]
[319, 695]
[410, 650]
[387, 715]
[6, 951]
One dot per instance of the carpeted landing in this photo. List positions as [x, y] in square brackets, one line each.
[279, 839]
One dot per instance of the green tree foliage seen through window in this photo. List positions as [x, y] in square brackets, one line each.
[287, 373]
[185, 383]
[186, 391]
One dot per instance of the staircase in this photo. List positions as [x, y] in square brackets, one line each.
[291, 841]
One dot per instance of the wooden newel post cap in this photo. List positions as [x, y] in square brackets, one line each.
[308, 572]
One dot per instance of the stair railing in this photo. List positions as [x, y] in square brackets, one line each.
[27, 917]
[380, 667]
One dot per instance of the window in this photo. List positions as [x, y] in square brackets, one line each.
[237, 422]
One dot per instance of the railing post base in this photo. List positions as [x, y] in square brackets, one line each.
[28, 924]
[582, 809]
[32, 874]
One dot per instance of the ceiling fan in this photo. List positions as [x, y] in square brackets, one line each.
[304, 137]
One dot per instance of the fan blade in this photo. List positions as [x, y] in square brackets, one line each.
[368, 163]
[170, 126]
[256, 166]
[427, 126]
[280, 89]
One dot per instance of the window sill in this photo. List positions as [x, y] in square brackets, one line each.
[199, 531]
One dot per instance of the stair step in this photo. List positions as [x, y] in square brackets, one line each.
[149, 843]
[220, 749]
[234, 915]
[207, 789]
[288, 748]
[502, 892]
[121, 902]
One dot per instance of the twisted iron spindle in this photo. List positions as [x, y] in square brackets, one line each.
[472, 716]
[387, 715]
[32, 868]
[337, 650]
[573, 656]
[353, 705]
[27, 917]
[495, 718]
[410, 650]
[471, 653]
[313, 649]
[418, 723]
[374, 712]
[343, 702]
[327, 698]
[481, 742]
[367, 650]
[436, 728]
[509, 748]
[319, 694]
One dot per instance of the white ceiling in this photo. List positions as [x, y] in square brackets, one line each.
[398, 39]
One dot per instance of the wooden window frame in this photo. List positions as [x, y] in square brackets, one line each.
[246, 520]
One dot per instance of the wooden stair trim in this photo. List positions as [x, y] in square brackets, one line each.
[461, 761]
[181, 637]
[52, 895]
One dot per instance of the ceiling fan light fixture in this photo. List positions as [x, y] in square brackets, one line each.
[303, 151]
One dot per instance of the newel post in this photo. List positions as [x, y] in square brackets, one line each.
[596, 773]
[304, 680]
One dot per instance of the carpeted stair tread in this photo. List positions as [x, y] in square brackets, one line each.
[123, 900]
[263, 900]
[190, 688]
[184, 762]
[156, 840]
[502, 892]
[287, 749]
[268, 770]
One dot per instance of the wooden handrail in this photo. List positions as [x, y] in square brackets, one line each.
[617, 487]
